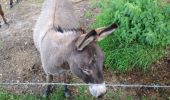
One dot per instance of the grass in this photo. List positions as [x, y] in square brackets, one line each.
[8, 96]
[57, 95]
[88, 14]
[82, 94]
[143, 34]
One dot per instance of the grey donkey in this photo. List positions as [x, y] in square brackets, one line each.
[63, 45]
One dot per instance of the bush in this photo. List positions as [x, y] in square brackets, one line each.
[142, 36]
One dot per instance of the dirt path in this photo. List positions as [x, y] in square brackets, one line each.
[18, 54]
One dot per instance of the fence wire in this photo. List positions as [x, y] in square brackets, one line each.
[155, 86]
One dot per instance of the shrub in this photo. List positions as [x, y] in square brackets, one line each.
[142, 36]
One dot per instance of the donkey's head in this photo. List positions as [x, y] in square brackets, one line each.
[86, 60]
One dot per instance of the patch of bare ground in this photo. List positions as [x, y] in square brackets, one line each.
[159, 74]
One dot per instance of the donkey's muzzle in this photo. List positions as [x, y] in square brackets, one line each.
[97, 90]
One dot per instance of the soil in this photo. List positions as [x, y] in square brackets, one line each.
[20, 62]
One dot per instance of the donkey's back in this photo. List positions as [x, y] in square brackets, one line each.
[55, 15]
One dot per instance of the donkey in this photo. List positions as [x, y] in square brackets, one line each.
[64, 45]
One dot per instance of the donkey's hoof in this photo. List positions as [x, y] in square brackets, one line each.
[67, 94]
[4, 26]
[46, 94]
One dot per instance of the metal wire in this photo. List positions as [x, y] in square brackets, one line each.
[81, 84]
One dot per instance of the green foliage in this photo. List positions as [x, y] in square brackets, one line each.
[142, 36]
[83, 95]
[8, 96]
[58, 94]
[88, 14]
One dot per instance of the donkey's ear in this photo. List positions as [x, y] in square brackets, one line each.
[96, 34]
[103, 32]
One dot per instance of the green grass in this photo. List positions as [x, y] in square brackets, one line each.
[88, 14]
[143, 34]
[8, 96]
[81, 94]
[57, 95]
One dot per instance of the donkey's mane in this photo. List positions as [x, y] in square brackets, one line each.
[62, 30]
[64, 16]
[55, 15]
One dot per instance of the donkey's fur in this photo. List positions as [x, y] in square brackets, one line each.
[49, 41]
[55, 14]
[59, 39]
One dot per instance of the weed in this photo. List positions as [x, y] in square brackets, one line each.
[142, 36]
[88, 14]
[83, 95]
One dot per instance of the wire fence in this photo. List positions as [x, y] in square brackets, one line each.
[155, 86]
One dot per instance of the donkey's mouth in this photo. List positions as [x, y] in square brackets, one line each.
[97, 90]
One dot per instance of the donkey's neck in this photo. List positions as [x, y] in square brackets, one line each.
[64, 15]
[60, 13]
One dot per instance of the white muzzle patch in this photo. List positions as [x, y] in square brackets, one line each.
[97, 89]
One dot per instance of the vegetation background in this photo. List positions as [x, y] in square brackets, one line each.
[143, 34]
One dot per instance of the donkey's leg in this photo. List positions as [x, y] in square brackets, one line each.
[63, 79]
[67, 93]
[48, 90]
[11, 3]
[2, 14]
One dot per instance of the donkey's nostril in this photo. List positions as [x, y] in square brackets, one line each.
[101, 96]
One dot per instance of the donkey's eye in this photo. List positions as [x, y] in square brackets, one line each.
[91, 60]
[87, 72]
